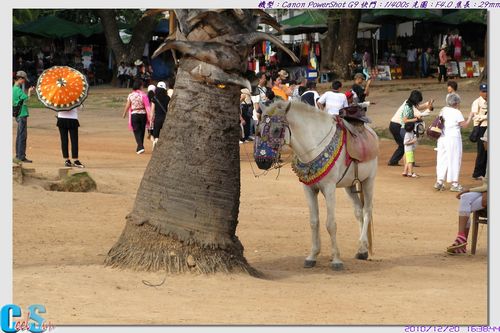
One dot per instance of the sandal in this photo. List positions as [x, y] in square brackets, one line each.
[457, 251]
[404, 175]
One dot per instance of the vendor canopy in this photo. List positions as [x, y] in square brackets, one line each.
[399, 15]
[477, 16]
[52, 26]
[314, 21]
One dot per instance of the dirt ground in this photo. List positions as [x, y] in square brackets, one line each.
[61, 239]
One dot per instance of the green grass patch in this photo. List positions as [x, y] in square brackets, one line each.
[467, 145]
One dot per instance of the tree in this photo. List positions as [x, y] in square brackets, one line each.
[340, 40]
[186, 209]
[141, 34]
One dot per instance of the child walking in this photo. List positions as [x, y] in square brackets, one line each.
[410, 142]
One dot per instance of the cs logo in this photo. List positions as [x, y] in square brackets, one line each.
[11, 311]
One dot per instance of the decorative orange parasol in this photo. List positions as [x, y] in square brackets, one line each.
[62, 88]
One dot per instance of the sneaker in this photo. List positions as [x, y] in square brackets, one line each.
[140, 151]
[439, 186]
[68, 164]
[78, 164]
[456, 188]
[25, 160]
[241, 142]
[477, 178]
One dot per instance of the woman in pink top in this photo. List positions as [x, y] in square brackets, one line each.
[138, 108]
[443, 58]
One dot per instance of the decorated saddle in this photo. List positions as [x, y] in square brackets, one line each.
[361, 142]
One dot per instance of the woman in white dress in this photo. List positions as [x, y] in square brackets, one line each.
[449, 145]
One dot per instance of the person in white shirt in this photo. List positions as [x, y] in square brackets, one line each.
[480, 108]
[419, 110]
[411, 58]
[67, 122]
[122, 74]
[333, 101]
[449, 145]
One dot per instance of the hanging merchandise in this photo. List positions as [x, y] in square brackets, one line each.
[317, 50]
[305, 49]
[313, 61]
[268, 50]
[257, 66]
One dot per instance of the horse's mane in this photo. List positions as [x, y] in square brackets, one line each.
[279, 107]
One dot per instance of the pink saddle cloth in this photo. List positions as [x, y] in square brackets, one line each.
[362, 142]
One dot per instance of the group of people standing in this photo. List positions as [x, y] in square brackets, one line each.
[449, 150]
[146, 111]
[270, 89]
[128, 73]
[449, 144]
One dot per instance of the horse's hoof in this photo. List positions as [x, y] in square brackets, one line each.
[362, 256]
[309, 263]
[338, 266]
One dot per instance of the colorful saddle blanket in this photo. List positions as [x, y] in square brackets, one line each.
[312, 172]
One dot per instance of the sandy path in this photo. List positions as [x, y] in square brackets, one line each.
[61, 239]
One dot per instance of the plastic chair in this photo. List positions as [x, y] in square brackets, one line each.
[478, 217]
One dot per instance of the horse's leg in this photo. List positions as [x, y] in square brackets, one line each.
[358, 212]
[331, 225]
[312, 202]
[368, 185]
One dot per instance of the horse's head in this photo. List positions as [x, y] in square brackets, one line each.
[270, 136]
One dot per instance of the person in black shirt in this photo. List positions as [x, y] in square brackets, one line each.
[159, 109]
[311, 96]
[357, 88]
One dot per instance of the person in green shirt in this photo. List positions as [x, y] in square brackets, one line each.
[19, 96]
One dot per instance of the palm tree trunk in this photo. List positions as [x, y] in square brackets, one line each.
[186, 210]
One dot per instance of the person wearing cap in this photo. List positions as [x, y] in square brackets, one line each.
[360, 93]
[159, 109]
[283, 75]
[471, 200]
[480, 108]
[132, 72]
[333, 101]
[20, 97]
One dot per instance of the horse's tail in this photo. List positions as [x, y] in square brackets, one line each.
[371, 232]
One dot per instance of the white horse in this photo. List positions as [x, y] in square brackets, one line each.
[308, 131]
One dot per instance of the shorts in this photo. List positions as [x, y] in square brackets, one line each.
[410, 156]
